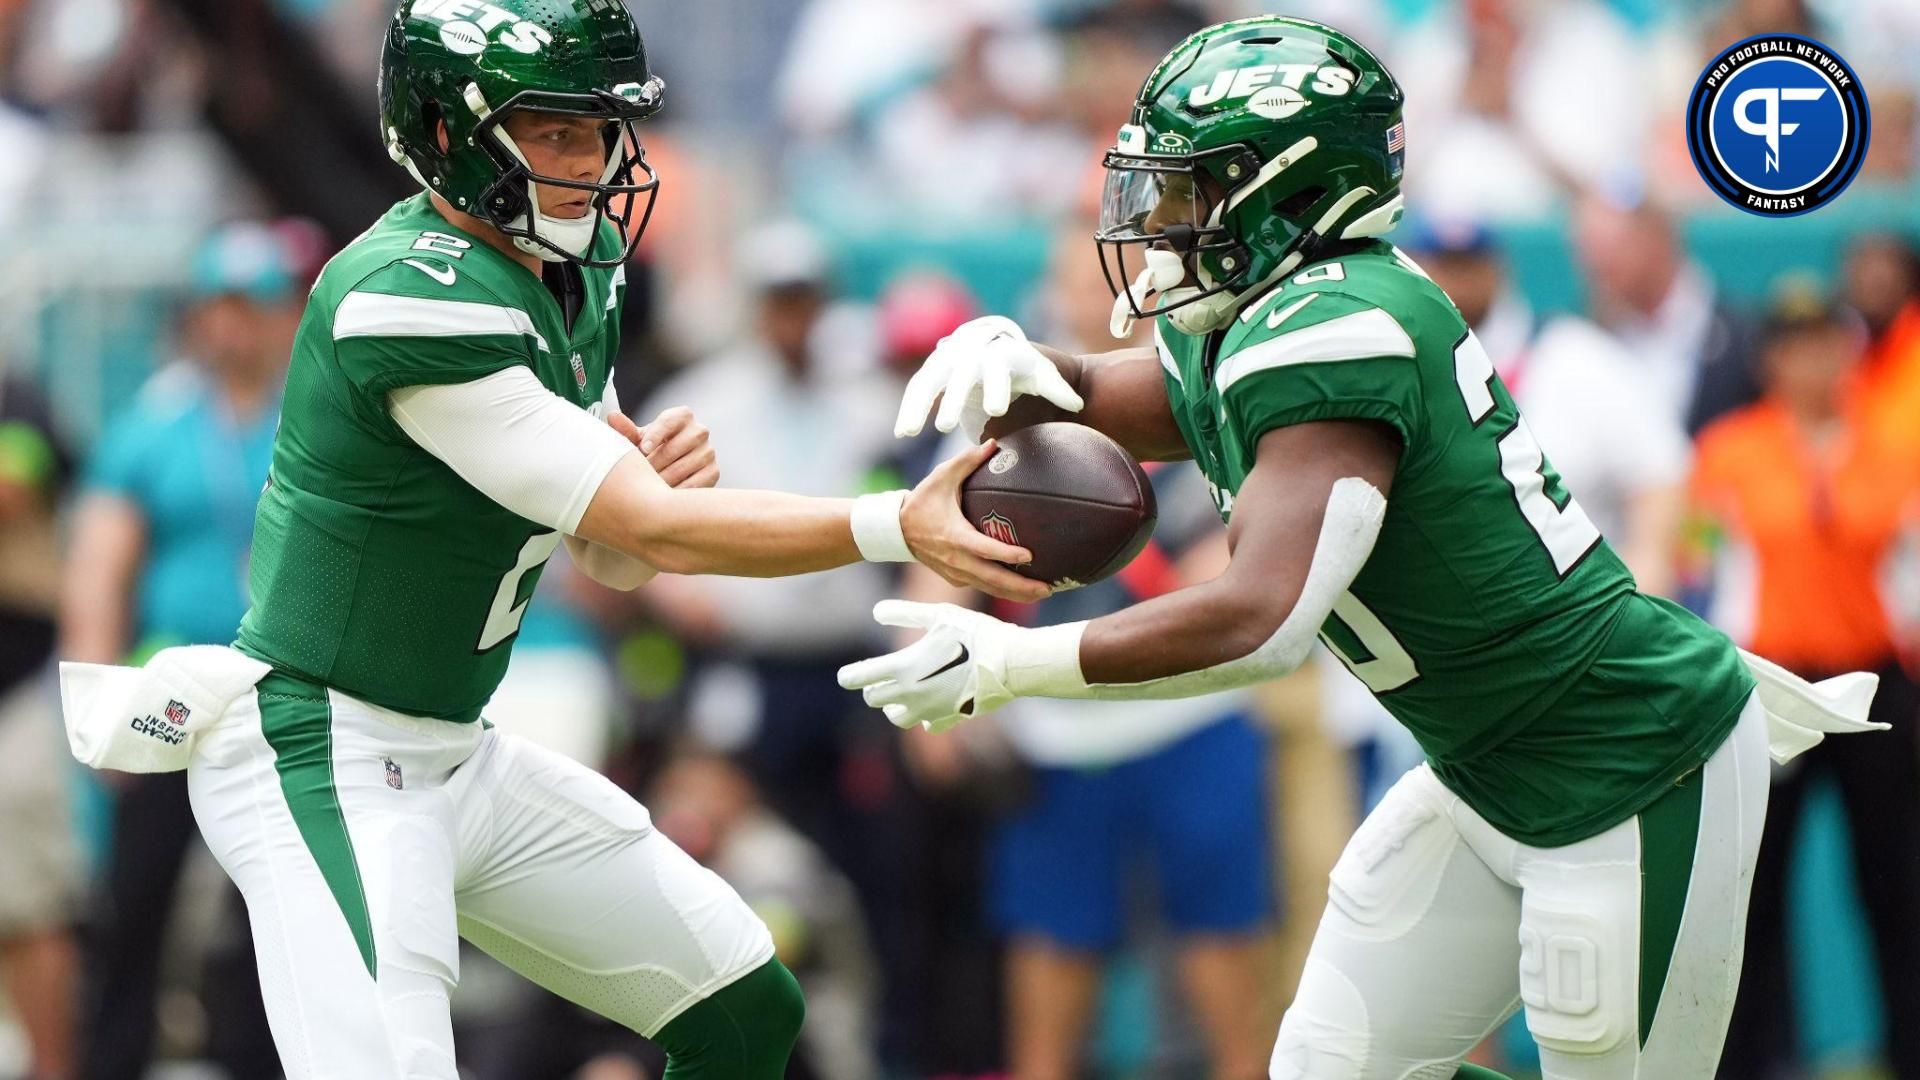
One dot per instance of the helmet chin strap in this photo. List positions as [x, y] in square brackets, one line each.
[1164, 273]
[571, 235]
[1163, 276]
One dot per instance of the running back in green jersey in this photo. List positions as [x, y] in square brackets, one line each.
[1491, 618]
[376, 570]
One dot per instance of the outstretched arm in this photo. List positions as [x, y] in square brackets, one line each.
[550, 462]
[1304, 523]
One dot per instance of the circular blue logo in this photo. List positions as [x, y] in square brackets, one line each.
[1778, 125]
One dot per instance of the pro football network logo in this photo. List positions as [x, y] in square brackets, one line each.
[1778, 125]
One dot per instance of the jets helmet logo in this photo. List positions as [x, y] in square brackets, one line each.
[1276, 103]
[1237, 83]
[469, 27]
[1778, 125]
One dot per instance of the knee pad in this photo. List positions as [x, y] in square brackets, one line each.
[1576, 980]
[1388, 875]
[1327, 1035]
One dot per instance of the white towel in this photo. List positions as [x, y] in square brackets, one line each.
[146, 719]
[1800, 713]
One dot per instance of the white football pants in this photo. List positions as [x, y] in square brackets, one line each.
[1624, 948]
[367, 842]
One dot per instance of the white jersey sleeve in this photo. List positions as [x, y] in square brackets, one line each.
[514, 440]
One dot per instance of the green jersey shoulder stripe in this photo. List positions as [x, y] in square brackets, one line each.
[1363, 335]
[364, 314]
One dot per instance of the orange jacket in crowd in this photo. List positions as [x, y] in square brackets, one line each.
[1888, 385]
[1819, 524]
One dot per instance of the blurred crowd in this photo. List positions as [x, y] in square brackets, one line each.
[1067, 889]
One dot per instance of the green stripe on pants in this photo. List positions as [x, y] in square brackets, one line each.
[297, 720]
[1669, 832]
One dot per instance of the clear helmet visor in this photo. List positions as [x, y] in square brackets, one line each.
[1142, 198]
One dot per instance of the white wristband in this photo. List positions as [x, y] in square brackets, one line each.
[1044, 661]
[876, 527]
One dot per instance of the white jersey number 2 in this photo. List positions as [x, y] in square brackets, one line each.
[503, 617]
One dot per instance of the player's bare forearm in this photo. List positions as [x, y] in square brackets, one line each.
[746, 533]
[1125, 400]
[109, 544]
[717, 530]
[1277, 523]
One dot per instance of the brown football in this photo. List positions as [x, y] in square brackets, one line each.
[1068, 494]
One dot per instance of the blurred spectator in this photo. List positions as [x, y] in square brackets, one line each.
[916, 311]
[1806, 511]
[1745, 18]
[1118, 788]
[799, 406]
[1691, 352]
[1109, 50]
[1577, 389]
[1893, 155]
[1179, 785]
[709, 807]
[982, 140]
[846, 51]
[159, 557]
[1491, 113]
[1883, 285]
[40, 877]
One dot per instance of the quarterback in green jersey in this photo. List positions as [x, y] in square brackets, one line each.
[1582, 835]
[449, 422]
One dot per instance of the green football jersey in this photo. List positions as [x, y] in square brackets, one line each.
[1491, 618]
[376, 569]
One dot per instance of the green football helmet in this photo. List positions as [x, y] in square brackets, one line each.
[1253, 144]
[471, 64]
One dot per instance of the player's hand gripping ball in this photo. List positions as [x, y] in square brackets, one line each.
[1068, 494]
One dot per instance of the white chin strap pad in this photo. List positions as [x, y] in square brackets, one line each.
[572, 235]
[1163, 275]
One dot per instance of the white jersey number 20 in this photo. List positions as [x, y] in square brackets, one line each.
[1565, 531]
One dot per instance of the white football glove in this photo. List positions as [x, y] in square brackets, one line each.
[958, 670]
[980, 368]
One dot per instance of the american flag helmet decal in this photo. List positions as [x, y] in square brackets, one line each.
[1397, 137]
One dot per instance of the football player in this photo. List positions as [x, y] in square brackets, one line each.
[1581, 838]
[449, 422]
